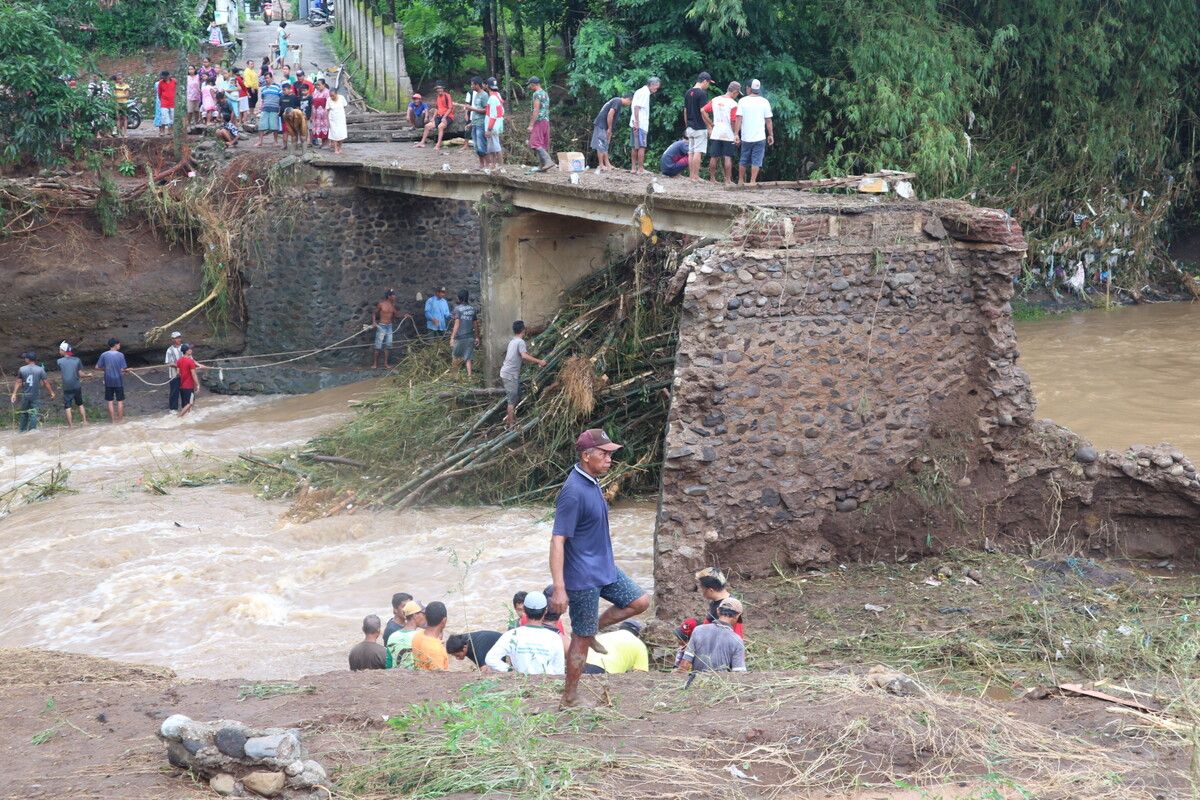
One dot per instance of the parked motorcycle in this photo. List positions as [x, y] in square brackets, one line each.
[133, 114]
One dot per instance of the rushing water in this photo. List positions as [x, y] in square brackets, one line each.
[1121, 377]
[213, 581]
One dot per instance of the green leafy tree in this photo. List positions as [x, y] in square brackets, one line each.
[41, 117]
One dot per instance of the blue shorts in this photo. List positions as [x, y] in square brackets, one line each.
[383, 336]
[584, 604]
[637, 137]
[753, 152]
[479, 139]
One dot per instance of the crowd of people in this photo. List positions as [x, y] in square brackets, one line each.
[724, 128]
[582, 572]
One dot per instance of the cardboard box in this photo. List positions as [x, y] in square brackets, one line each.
[572, 162]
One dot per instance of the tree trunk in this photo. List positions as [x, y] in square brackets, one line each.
[576, 11]
[519, 23]
[506, 54]
[542, 41]
[488, 20]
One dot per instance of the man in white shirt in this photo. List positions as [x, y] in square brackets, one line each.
[173, 355]
[720, 116]
[532, 648]
[755, 129]
[639, 125]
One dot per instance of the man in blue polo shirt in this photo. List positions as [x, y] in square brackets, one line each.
[581, 558]
[437, 313]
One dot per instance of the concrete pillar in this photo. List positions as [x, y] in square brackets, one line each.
[529, 259]
[403, 83]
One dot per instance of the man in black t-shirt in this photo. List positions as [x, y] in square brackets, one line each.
[474, 646]
[695, 131]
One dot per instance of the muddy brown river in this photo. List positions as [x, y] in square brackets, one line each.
[213, 582]
[1121, 377]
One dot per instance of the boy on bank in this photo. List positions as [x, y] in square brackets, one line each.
[510, 370]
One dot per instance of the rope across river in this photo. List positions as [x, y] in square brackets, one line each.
[340, 344]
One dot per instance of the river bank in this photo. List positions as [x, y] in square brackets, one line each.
[807, 721]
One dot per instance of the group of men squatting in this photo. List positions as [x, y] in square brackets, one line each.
[583, 571]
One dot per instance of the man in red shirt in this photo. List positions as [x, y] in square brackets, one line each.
[443, 115]
[166, 102]
[188, 380]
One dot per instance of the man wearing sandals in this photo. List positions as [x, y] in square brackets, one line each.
[581, 558]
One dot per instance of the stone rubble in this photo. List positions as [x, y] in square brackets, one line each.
[240, 761]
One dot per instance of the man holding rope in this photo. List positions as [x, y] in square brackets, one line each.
[581, 559]
[385, 320]
[189, 380]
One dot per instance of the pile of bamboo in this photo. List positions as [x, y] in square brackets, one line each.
[610, 354]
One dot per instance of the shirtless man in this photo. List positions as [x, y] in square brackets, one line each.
[386, 319]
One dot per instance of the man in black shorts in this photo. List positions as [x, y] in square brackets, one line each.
[112, 361]
[581, 558]
[720, 116]
[71, 368]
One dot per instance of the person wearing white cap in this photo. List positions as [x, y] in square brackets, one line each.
[756, 131]
[71, 368]
[173, 355]
[532, 648]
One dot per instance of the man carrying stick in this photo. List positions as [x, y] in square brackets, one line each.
[581, 559]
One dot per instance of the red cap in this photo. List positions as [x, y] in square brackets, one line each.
[595, 437]
[684, 631]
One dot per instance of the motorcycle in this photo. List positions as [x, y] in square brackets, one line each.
[133, 114]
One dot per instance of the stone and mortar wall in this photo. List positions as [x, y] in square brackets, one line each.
[326, 260]
[847, 387]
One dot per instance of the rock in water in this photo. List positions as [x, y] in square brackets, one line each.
[268, 784]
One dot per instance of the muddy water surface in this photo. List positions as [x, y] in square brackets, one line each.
[1131, 375]
[212, 581]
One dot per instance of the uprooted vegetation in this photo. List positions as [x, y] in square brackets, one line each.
[429, 433]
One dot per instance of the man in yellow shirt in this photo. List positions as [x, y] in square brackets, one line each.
[250, 78]
[626, 651]
[121, 98]
[427, 648]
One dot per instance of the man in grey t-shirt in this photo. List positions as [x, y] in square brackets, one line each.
[464, 333]
[510, 370]
[71, 370]
[31, 378]
[715, 647]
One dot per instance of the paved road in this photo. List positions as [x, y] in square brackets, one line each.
[258, 37]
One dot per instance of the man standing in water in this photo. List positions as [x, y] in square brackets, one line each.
[173, 354]
[189, 378]
[112, 361]
[581, 558]
[70, 368]
[385, 317]
[31, 379]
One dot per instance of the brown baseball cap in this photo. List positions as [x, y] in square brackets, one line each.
[595, 437]
[730, 604]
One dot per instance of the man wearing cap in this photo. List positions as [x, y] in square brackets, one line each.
[31, 379]
[437, 312]
[417, 111]
[581, 558]
[639, 125]
[399, 644]
[384, 320]
[626, 651]
[715, 647]
[756, 130]
[694, 129]
[539, 125]
[71, 370]
[173, 354]
[720, 116]
[531, 648]
[493, 123]
[112, 361]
